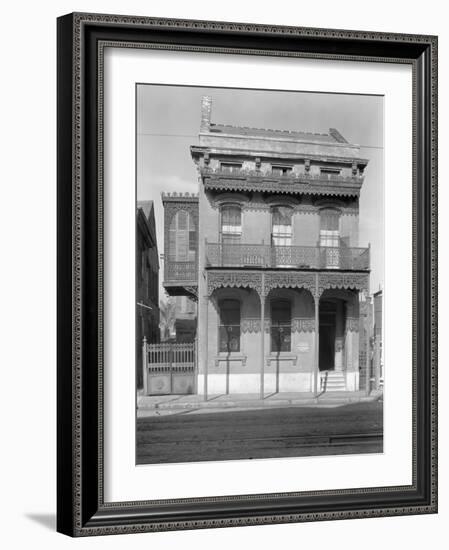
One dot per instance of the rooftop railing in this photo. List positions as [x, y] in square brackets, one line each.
[290, 176]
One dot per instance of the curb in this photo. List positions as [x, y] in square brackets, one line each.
[256, 404]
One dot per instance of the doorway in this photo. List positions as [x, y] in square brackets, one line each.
[328, 323]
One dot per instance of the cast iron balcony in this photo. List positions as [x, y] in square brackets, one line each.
[181, 278]
[180, 271]
[293, 257]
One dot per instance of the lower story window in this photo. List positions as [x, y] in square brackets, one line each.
[281, 326]
[229, 327]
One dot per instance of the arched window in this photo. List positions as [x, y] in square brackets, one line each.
[231, 224]
[229, 327]
[281, 325]
[330, 237]
[329, 227]
[182, 237]
[281, 233]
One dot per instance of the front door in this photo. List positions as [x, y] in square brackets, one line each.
[327, 347]
[328, 316]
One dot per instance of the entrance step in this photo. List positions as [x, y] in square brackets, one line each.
[333, 381]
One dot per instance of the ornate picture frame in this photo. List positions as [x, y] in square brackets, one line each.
[81, 507]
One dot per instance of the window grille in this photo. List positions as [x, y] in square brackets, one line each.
[229, 327]
[281, 326]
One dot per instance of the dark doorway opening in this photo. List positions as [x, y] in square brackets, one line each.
[328, 317]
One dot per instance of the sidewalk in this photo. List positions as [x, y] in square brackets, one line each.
[170, 403]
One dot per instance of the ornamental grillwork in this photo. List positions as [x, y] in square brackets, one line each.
[299, 324]
[303, 324]
[193, 291]
[351, 281]
[250, 325]
[289, 280]
[239, 279]
[297, 257]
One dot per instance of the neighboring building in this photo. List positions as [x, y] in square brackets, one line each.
[270, 250]
[181, 261]
[377, 344]
[178, 320]
[147, 282]
[366, 342]
[185, 322]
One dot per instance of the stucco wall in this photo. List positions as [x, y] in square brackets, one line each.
[256, 219]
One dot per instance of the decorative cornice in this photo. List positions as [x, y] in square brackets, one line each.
[295, 187]
[293, 158]
[179, 197]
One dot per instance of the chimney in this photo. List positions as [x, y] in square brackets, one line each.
[206, 109]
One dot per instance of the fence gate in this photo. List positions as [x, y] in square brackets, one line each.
[169, 369]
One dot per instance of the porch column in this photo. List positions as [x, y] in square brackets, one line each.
[262, 338]
[316, 369]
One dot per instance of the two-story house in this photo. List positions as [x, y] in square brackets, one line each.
[276, 266]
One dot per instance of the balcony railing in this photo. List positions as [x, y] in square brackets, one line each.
[295, 257]
[180, 271]
[257, 175]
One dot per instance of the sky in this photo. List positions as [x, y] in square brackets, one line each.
[168, 123]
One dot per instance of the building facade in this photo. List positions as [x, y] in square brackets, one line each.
[269, 249]
[147, 282]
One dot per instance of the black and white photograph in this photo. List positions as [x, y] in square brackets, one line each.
[221, 283]
[259, 274]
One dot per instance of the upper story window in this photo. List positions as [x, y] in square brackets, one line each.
[230, 167]
[281, 325]
[329, 170]
[281, 170]
[281, 232]
[329, 227]
[231, 224]
[229, 327]
[182, 237]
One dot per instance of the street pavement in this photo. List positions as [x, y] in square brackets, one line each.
[286, 431]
